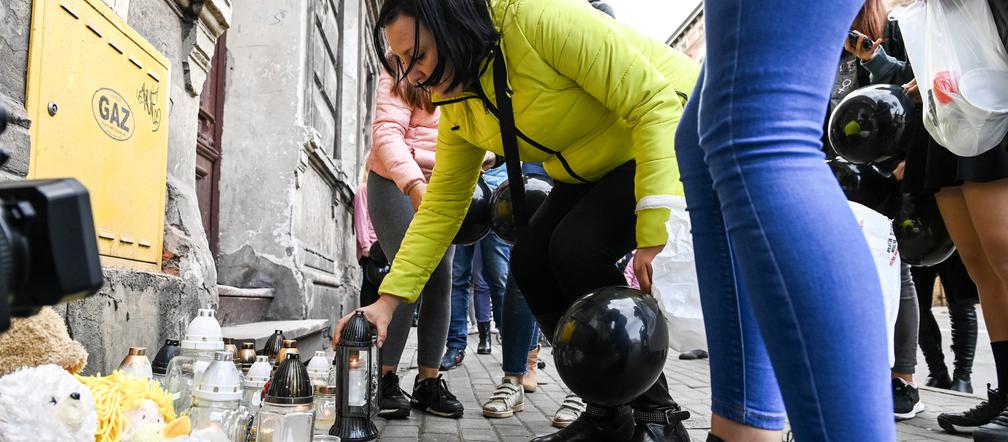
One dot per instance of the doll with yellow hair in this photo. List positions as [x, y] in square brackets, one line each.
[133, 409]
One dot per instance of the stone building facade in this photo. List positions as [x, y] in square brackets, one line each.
[689, 36]
[266, 129]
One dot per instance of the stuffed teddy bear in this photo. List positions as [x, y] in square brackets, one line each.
[46, 403]
[38, 340]
[133, 409]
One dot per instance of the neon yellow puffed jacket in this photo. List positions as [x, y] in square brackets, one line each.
[587, 91]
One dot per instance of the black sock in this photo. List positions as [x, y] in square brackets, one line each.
[1000, 350]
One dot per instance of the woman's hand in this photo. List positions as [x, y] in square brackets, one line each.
[912, 90]
[380, 314]
[898, 171]
[859, 51]
[416, 194]
[642, 265]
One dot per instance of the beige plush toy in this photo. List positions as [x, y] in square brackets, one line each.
[39, 340]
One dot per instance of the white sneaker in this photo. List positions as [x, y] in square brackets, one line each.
[508, 398]
[570, 409]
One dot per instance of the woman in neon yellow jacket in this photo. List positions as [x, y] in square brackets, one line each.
[597, 103]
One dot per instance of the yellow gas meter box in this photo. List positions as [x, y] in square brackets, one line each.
[98, 98]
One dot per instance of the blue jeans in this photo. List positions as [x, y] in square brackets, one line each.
[487, 303]
[519, 332]
[494, 255]
[786, 279]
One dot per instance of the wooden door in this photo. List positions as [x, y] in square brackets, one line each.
[208, 143]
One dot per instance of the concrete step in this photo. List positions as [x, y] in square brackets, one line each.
[311, 334]
[240, 306]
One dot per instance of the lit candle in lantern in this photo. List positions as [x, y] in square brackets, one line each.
[357, 380]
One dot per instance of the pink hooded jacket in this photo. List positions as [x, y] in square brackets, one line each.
[403, 139]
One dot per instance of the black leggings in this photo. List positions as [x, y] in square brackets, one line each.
[570, 247]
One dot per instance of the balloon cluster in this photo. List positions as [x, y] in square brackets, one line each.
[877, 124]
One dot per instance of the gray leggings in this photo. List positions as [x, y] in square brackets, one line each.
[907, 325]
[391, 213]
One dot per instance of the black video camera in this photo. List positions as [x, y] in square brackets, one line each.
[48, 250]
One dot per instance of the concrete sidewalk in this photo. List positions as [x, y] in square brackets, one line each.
[474, 382]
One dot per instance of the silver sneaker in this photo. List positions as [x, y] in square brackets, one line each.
[570, 409]
[508, 398]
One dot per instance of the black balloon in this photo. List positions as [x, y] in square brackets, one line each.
[377, 265]
[864, 184]
[921, 233]
[873, 123]
[376, 254]
[375, 273]
[502, 220]
[610, 345]
[476, 223]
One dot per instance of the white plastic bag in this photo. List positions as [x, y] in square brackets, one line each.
[962, 72]
[878, 232]
[674, 283]
[676, 288]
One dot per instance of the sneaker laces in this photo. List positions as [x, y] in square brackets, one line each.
[978, 410]
[394, 385]
[904, 389]
[442, 388]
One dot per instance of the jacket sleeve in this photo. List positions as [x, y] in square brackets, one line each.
[363, 230]
[886, 69]
[591, 49]
[444, 205]
[392, 120]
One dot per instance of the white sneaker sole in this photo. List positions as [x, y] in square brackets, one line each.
[918, 407]
[506, 413]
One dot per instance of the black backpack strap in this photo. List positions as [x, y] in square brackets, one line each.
[509, 137]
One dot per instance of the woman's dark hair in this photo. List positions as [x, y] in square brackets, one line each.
[415, 97]
[463, 32]
[871, 20]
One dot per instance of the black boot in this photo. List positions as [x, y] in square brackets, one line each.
[964, 337]
[961, 382]
[596, 423]
[663, 424]
[712, 438]
[939, 378]
[484, 337]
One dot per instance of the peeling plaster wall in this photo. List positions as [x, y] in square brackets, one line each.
[286, 198]
[135, 308]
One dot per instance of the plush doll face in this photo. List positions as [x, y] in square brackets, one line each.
[126, 404]
[148, 413]
[46, 403]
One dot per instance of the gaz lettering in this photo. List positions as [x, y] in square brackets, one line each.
[112, 114]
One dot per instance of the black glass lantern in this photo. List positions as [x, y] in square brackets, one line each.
[356, 370]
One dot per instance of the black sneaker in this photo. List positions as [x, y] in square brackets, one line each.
[906, 400]
[432, 395]
[995, 431]
[969, 420]
[392, 400]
